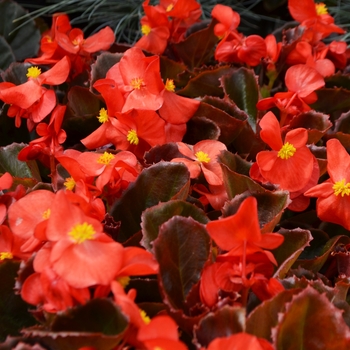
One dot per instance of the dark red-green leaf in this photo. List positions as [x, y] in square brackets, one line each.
[339, 80]
[234, 163]
[340, 100]
[103, 63]
[316, 124]
[198, 48]
[286, 254]
[158, 183]
[170, 69]
[10, 163]
[312, 322]
[22, 35]
[225, 115]
[206, 83]
[242, 88]
[270, 206]
[181, 249]
[199, 129]
[82, 102]
[14, 313]
[164, 152]
[316, 263]
[264, 317]
[152, 218]
[221, 323]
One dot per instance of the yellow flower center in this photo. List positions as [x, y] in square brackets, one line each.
[46, 214]
[321, 9]
[202, 157]
[137, 83]
[69, 183]
[33, 72]
[169, 8]
[340, 187]
[132, 137]
[124, 281]
[106, 158]
[169, 85]
[6, 255]
[286, 151]
[103, 116]
[145, 29]
[144, 317]
[81, 232]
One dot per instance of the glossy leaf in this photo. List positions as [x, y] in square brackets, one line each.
[82, 102]
[311, 322]
[158, 183]
[340, 100]
[152, 218]
[199, 129]
[181, 249]
[7, 56]
[164, 152]
[242, 88]
[288, 252]
[221, 323]
[13, 310]
[234, 163]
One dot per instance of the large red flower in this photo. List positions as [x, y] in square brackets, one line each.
[333, 195]
[290, 163]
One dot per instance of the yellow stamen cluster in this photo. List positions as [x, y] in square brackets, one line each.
[103, 116]
[69, 183]
[106, 158]
[202, 157]
[341, 188]
[6, 255]
[46, 214]
[145, 29]
[81, 232]
[169, 85]
[136, 83]
[286, 151]
[144, 317]
[132, 137]
[321, 9]
[33, 72]
[169, 7]
[124, 281]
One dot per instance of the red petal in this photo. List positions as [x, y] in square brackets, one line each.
[102, 40]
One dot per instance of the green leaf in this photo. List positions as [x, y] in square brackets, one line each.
[221, 323]
[152, 218]
[198, 48]
[199, 129]
[234, 163]
[14, 313]
[181, 249]
[242, 88]
[264, 317]
[286, 254]
[311, 321]
[159, 183]
[17, 168]
[23, 38]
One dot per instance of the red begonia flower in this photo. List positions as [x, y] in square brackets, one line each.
[240, 233]
[333, 195]
[288, 164]
[203, 158]
[227, 18]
